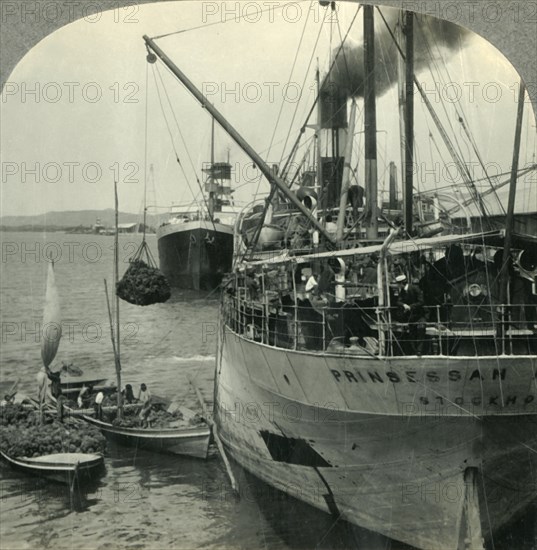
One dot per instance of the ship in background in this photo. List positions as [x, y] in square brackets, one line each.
[421, 428]
[195, 244]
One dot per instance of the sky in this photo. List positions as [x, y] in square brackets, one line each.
[77, 112]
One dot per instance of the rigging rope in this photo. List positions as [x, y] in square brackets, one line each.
[461, 116]
[170, 133]
[454, 154]
[145, 144]
[465, 172]
[273, 190]
[303, 84]
[185, 146]
[236, 19]
[289, 80]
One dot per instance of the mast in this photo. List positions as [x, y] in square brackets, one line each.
[509, 222]
[464, 171]
[409, 119]
[210, 201]
[116, 279]
[401, 96]
[392, 201]
[241, 142]
[319, 165]
[370, 117]
[346, 179]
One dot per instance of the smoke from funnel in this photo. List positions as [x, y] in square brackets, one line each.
[346, 78]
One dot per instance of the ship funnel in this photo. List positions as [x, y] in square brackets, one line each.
[333, 99]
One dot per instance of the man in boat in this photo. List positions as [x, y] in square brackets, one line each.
[82, 395]
[144, 397]
[411, 311]
[85, 397]
[98, 405]
[42, 385]
[56, 391]
[128, 394]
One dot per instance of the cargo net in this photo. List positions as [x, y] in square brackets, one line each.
[143, 283]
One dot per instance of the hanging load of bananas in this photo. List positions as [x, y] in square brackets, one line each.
[143, 283]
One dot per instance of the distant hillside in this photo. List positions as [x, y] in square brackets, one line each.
[71, 219]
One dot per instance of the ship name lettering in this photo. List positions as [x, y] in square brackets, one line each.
[496, 373]
[350, 376]
[375, 377]
[476, 374]
[336, 374]
[393, 377]
[477, 401]
[432, 376]
[410, 374]
[454, 375]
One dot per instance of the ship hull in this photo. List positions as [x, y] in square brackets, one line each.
[383, 444]
[195, 255]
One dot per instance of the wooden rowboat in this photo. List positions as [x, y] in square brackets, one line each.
[178, 437]
[181, 440]
[61, 467]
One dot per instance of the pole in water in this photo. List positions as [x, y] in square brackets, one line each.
[471, 536]
[221, 449]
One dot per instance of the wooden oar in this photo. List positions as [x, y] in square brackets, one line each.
[221, 450]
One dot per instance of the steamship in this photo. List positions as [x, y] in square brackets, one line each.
[195, 244]
[411, 417]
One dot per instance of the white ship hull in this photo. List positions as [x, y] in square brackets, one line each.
[384, 443]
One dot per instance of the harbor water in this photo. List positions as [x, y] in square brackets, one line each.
[144, 500]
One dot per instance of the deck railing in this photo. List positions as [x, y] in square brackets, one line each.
[443, 330]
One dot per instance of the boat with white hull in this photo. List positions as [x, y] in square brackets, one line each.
[386, 443]
[61, 467]
[185, 440]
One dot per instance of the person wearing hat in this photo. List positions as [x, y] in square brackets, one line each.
[252, 283]
[311, 285]
[411, 310]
